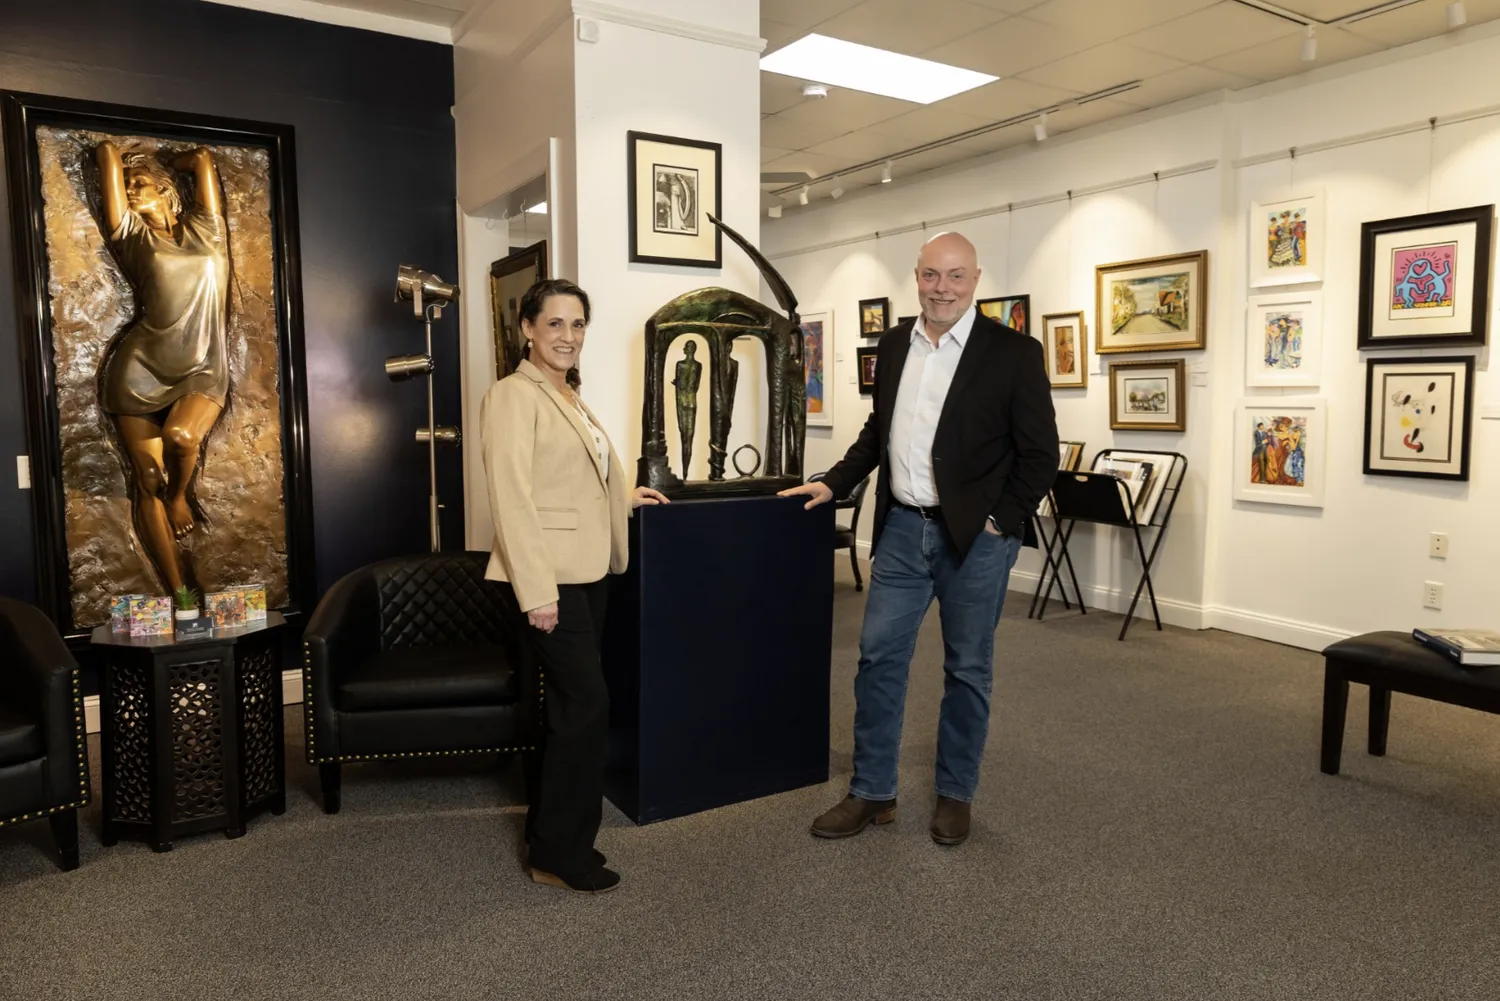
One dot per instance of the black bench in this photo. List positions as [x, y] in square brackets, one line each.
[1394, 662]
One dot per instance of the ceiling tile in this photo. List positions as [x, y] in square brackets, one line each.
[769, 153]
[1414, 23]
[1326, 10]
[1214, 31]
[820, 119]
[866, 144]
[1005, 98]
[966, 150]
[1283, 57]
[818, 163]
[1013, 46]
[778, 93]
[928, 124]
[802, 13]
[904, 26]
[778, 35]
[1008, 6]
[1102, 67]
[789, 134]
[1114, 19]
[1190, 81]
[1080, 116]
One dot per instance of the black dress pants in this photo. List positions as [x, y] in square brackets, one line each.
[568, 794]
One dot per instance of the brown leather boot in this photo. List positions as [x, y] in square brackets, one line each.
[852, 816]
[950, 821]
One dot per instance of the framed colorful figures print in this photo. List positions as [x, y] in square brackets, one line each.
[1280, 450]
[1148, 396]
[1065, 344]
[817, 343]
[1012, 310]
[1425, 279]
[1284, 339]
[874, 317]
[675, 184]
[866, 359]
[1286, 241]
[1154, 304]
[1418, 413]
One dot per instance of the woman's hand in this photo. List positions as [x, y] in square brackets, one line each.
[544, 618]
[645, 495]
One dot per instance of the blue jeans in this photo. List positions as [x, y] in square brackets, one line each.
[914, 563]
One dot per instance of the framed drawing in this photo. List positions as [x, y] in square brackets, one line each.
[1424, 280]
[1287, 240]
[1065, 343]
[1280, 450]
[159, 282]
[510, 277]
[675, 184]
[1284, 339]
[817, 360]
[1148, 396]
[1012, 310]
[1418, 413]
[866, 358]
[874, 317]
[1069, 454]
[1154, 304]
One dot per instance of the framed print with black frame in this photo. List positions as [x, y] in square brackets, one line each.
[510, 277]
[874, 317]
[675, 184]
[1418, 417]
[866, 356]
[1424, 280]
[1012, 310]
[1148, 395]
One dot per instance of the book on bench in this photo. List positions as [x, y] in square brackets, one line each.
[1466, 647]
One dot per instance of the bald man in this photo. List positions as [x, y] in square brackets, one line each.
[965, 438]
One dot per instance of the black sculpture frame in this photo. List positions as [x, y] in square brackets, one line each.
[22, 113]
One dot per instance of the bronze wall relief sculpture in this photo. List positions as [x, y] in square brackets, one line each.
[161, 348]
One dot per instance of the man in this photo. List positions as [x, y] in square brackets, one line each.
[965, 438]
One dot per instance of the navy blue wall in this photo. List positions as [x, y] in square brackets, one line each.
[375, 185]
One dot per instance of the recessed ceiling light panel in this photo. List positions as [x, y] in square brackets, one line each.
[875, 71]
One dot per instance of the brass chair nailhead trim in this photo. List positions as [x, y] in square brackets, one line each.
[83, 775]
[418, 754]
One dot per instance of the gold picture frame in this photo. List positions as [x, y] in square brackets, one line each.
[1152, 304]
[1065, 345]
[1148, 395]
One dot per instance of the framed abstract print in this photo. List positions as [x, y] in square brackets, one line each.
[874, 317]
[675, 184]
[866, 360]
[159, 283]
[1065, 344]
[1287, 240]
[1281, 450]
[817, 357]
[510, 277]
[1284, 339]
[1424, 280]
[1418, 414]
[1153, 304]
[1148, 396]
[1012, 310]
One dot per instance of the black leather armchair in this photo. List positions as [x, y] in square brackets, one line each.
[414, 657]
[847, 538]
[44, 770]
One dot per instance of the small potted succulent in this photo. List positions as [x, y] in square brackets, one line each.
[187, 604]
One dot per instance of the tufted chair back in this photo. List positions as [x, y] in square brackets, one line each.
[438, 599]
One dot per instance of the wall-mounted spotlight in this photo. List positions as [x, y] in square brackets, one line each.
[885, 173]
[1457, 16]
[1040, 129]
[428, 294]
[774, 211]
[1310, 44]
[802, 196]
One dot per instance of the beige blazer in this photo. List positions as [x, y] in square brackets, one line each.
[557, 519]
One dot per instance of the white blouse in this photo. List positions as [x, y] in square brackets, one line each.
[601, 444]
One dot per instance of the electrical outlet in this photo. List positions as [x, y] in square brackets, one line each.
[1437, 548]
[1432, 595]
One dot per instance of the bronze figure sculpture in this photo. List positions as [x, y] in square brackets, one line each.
[689, 376]
[721, 316]
[165, 380]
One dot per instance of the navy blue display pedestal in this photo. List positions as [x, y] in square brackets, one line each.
[717, 652]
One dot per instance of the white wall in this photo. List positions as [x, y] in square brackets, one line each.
[1301, 576]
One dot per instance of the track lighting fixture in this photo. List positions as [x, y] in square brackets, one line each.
[1457, 16]
[1041, 127]
[1310, 44]
[885, 173]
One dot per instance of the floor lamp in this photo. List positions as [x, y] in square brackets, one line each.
[428, 294]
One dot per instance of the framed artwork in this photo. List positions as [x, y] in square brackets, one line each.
[1012, 310]
[510, 277]
[1424, 280]
[1153, 470]
[158, 277]
[675, 184]
[1284, 339]
[904, 319]
[1281, 450]
[817, 359]
[874, 317]
[1287, 240]
[1069, 454]
[1065, 343]
[866, 358]
[1154, 304]
[1418, 414]
[1148, 396]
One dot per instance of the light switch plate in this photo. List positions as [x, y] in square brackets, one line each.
[1200, 378]
[23, 472]
[1489, 412]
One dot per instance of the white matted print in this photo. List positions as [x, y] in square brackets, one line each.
[1286, 241]
[1281, 450]
[1418, 417]
[674, 184]
[1284, 339]
[817, 364]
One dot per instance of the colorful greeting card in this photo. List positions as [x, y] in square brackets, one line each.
[150, 616]
[226, 608]
[119, 612]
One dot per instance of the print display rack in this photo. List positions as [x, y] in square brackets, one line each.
[1102, 499]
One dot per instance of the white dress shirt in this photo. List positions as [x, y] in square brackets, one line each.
[919, 403]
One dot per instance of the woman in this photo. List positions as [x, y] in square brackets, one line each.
[560, 503]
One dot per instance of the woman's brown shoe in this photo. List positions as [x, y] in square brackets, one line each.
[852, 816]
[601, 880]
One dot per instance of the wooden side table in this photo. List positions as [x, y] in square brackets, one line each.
[191, 732]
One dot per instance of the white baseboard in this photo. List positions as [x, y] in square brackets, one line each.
[291, 694]
[1304, 635]
[1111, 599]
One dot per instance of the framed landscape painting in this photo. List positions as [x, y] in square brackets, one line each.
[1153, 304]
[1012, 310]
[1418, 413]
[1425, 279]
[1284, 339]
[1280, 450]
[1065, 344]
[1286, 241]
[674, 185]
[1147, 396]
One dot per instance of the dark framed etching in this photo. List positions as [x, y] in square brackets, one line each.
[674, 186]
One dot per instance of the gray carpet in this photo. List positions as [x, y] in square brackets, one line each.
[1151, 824]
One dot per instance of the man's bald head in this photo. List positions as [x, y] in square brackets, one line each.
[947, 275]
[946, 248]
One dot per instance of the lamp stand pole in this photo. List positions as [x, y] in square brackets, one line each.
[432, 501]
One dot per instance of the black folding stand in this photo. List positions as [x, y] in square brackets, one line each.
[1102, 499]
[1037, 532]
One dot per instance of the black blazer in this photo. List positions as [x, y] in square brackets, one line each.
[995, 450]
